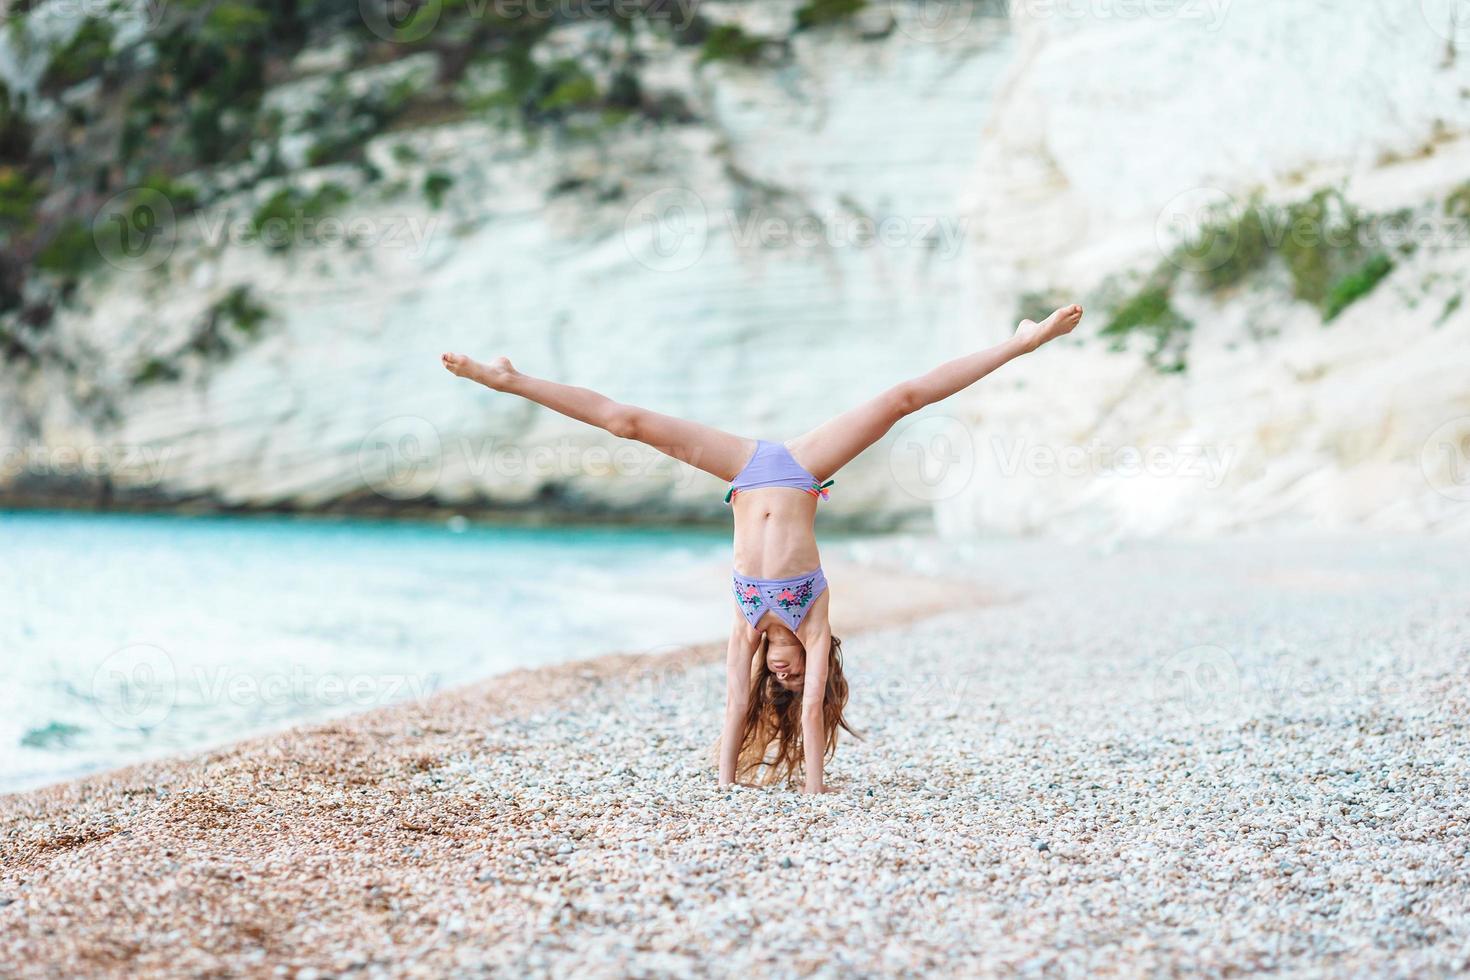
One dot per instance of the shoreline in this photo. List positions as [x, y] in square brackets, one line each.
[867, 598]
[548, 510]
[413, 648]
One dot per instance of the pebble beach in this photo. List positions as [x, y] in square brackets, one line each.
[1215, 758]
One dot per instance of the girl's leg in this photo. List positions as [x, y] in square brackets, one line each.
[833, 444]
[702, 446]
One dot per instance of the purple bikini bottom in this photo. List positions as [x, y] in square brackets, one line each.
[789, 598]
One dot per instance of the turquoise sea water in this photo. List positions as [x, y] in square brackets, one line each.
[124, 637]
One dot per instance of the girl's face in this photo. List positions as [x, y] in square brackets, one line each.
[785, 658]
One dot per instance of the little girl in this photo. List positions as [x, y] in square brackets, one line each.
[785, 691]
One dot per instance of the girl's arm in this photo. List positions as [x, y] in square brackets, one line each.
[813, 694]
[743, 642]
[833, 444]
[711, 450]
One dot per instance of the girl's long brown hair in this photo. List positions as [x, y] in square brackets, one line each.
[771, 747]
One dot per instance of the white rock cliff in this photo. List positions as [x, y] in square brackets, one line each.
[723, 270]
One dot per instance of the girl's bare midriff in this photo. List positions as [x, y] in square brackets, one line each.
[773, 532]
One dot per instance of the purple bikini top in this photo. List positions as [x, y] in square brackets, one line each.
[772, 465]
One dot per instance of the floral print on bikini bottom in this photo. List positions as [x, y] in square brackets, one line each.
[792, 598]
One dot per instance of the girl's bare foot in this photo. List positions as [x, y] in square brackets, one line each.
[1032, 334]
[496, 374]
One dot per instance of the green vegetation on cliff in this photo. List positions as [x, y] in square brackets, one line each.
[1150, 313]
[232, 322]
[179, 104]
[814, 13]
[1329, 253]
